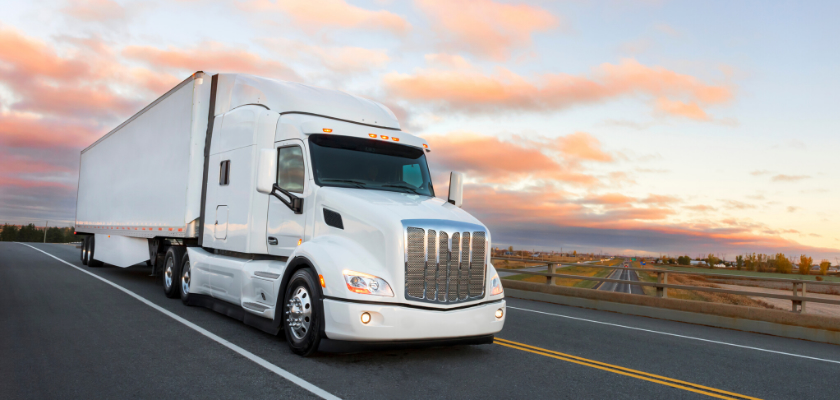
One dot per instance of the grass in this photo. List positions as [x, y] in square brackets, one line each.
[570, 270]
[756, 274]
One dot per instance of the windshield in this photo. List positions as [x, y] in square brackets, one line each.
[369, 164]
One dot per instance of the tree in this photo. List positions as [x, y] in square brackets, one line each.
[824, 265]
[684, 260]
[9, 233]
[510, 249]
[739, 262]
[712, 260]
[805, 265]
[782, 264]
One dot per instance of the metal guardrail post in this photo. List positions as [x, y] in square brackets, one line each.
[550, 280]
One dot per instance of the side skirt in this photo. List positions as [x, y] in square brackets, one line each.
[235, 312]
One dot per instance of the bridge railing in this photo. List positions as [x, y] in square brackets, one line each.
[797, 299]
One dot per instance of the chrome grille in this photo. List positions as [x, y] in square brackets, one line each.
[445, 261]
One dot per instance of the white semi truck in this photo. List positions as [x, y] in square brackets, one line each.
[292, 208]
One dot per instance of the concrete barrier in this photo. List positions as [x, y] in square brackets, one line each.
[750, 319]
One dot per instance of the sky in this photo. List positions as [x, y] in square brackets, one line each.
[633, 127]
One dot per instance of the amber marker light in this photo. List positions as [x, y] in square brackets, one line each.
[327, 130]
[300, 241]
[396, 139]
[384, 137]
[373, 135]
[425, 146]
[321, 279]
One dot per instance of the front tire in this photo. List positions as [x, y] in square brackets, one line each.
[172, 271]
[302, 324]
[185, 281]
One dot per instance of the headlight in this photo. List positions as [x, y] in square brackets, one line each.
[358, 282]
[496, 285]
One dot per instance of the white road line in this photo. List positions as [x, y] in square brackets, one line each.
[676, 335]
[247, 354]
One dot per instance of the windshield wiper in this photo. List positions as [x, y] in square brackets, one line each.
[357, 183]
[403, 186]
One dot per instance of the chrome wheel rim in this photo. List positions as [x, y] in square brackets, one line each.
[185, 279]
[299, 312]
[167, 273]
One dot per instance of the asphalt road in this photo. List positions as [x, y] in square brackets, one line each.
[625, 275]
[67, 334]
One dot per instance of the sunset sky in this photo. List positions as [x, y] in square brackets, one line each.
[640, 127]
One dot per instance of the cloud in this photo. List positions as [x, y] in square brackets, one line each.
[677, 108]
[471, 91]
[485, 28]
[107, 11]
[700, 208]
[340, 59]
[737, 205]
[788, 178]
[791, 209]
[661, 199]
[210, 56]
[493, 160]
[313, 15]
[759, 172]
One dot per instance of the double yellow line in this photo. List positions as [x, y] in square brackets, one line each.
[675, 383]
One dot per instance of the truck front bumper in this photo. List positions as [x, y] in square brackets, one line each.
[394, 322]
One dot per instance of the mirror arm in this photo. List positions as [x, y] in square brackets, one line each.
[296, 203]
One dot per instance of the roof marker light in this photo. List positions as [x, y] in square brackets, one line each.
[425, 146]
[396, 139]
[327, 130]
[373, 135]
[384, 137]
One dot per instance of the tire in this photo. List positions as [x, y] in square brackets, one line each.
[91, 253]
[85, 249]
[186, 279]
[172, 271]
[302, 301]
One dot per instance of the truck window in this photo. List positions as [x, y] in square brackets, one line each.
[344, 161]
[224, 173]
[290, 169]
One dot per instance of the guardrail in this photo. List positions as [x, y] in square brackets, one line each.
[797, 300]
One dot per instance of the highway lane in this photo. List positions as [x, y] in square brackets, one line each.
[625, 275]
[66, 334]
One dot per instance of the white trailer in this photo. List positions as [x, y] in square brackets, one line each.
[293, 209]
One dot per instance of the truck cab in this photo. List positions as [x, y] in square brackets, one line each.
[320, 215]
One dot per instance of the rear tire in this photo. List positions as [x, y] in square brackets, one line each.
[185, 281]
[85, 251]
[301, 306]
[172, 271]
[91, 253]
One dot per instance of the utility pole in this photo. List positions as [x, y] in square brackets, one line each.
[45, 231]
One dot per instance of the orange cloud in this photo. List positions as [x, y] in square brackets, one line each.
[320, 14]
[484, 27]
[609, 199]
[492, 160]
[468, 90]
[210, 57]
[789, 178]
[96, 10]
[18, 130]
[341, 59]
[677, 108]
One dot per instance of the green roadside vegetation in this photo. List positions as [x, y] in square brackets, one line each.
[756, 274]
[578, 270]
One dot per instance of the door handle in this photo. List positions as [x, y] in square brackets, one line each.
[272, 240]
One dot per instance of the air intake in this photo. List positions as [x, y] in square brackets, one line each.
[333, 219]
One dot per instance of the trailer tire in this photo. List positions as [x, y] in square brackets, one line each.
[85, 252]
[172, 271]
[186, 279]
[302, 324]
[92, 262]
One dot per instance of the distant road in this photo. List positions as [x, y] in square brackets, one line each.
[625, 275]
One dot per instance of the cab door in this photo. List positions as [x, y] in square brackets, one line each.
[285, 228]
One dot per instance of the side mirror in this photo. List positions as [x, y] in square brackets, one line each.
[456, 188]
[266, 169]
